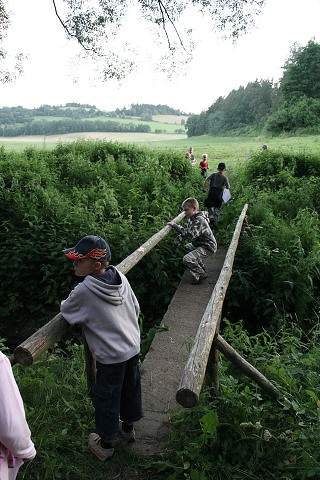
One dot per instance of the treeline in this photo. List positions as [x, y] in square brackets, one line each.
[14, 115]
[242, 108]
[145, 109]
[60, 127]
[292, 106]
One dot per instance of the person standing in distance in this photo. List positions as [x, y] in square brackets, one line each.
[204, 165]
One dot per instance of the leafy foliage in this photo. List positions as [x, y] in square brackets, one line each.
[249, 106]
[302, 73]
[95, 25]
[242, 434]
[271, 316]
[277, 266]
[238, 434]
[290, 107]
[51, 199]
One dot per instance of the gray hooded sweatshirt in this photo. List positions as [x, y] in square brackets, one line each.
[109, 315]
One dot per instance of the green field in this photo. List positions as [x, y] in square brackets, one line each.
[228, 149]
[166, 123]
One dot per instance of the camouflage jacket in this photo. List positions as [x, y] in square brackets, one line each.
[198, 232]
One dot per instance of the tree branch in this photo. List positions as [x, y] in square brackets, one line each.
[66, 28]
[162, 9]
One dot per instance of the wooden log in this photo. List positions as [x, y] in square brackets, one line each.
[41, 340]
[194, 372]
[28, 351]
[129, 262]
[246, 367]
[214, 360]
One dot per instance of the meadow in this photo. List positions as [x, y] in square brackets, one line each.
[231, 150]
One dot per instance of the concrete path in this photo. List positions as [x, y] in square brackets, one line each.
[163, 366]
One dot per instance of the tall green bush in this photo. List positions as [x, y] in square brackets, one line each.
[49, 200]
[278, 260]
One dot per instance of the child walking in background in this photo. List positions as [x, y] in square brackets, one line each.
[217, 183]
[204, 165]
[202, 242]
[105, 305]
[190, 156]
[16, 446]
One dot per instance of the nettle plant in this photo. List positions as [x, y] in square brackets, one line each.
[48, 201]
[241, 433]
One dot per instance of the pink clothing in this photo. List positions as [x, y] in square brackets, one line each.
[15, 437]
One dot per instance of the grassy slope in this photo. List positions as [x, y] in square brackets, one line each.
[167, 123]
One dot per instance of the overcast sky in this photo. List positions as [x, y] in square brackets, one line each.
[54, 76]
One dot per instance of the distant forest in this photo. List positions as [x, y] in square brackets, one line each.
[290, 107]
[19, 121]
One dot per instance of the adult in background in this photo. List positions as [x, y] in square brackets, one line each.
[217, 183]
[16, 446]
[190, 156]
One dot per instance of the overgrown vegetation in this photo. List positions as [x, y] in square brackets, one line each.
[271, 313]
[51, 199]
[241, 434]
[277, 268]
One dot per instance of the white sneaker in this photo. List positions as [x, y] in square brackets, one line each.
[95, 447]
[128, 437]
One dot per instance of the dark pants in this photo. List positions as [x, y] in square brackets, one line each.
[117, 394]
[213, 203]
[214, 198]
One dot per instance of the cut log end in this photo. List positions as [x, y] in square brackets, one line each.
[186, 398]
[23, 356]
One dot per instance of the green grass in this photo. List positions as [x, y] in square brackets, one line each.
[165, 125]
[231, 150]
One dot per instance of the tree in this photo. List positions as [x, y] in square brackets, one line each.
[301, 75]
[94, 24]
[299, 93]
[245, 107]
[10, 66]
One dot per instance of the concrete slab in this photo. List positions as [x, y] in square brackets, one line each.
[163, 366]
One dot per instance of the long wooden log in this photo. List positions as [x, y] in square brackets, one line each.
[28, 351]
[246, 367]
[195, 369]
[129, 262]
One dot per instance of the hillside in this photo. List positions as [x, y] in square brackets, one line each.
[73, 118]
